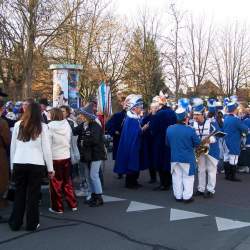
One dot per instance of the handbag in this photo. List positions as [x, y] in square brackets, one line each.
[74, 151]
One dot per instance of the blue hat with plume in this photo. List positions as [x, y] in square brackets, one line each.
[231, 106]
[219, 105]
[198, 106]
[181, 113]
[183, 103]
[135, 101]
[211, 105]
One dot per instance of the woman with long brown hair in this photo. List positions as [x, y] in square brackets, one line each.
[30, 152]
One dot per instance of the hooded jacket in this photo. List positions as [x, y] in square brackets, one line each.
[90, 142]
[60, 135]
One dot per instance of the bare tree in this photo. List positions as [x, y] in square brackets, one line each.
[231, 58]
[29, 26]
[197, 50]
[110, 51]
[174, 54]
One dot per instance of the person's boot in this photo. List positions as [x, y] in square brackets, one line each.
[227, 170]
[233, 174]
[91, 199]
[98, 201]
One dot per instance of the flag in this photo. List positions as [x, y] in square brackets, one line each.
[104, 99]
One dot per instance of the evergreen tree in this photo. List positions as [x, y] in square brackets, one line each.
[143, 70]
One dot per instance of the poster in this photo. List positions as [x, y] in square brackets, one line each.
[60, 87]
[73, 80]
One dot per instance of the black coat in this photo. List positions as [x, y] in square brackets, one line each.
[90, 142]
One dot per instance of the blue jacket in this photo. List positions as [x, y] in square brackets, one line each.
[128, 153]
[158, 125]
[247, 123]
[114, 129]
[214, 149]
[234, 127]
[182, 140]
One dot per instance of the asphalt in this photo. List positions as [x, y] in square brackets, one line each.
[117, 226]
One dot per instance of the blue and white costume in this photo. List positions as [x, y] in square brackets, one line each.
[207, 163]
[234, 128]
[128, 153]
[182, 140]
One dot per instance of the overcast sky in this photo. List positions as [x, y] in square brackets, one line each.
[220, 11]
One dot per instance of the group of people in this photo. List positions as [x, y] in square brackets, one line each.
[171, 142]
[179, 142]
[47, 141]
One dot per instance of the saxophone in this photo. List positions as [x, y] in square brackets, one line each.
[203, 148]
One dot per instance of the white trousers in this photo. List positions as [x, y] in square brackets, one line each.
[183, 184]
[232, 159]
[207, 164]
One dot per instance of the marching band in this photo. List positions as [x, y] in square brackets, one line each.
[179, 142]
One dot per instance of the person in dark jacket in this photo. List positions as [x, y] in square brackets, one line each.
[92, 151]
[114, 129]
[161, 153]
[147, 146]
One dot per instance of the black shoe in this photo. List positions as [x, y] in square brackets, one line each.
[189, 200]
[178, 200]
[199, 193]
[233, 174]
[98, 201]
[235, 179]
[120, 176]
[14, 228]
[208, 195]
[33, 228]
[165, 188]
[89, 200]
[132, 187]
[161, 188]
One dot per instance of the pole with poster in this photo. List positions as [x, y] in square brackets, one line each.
[65, 84]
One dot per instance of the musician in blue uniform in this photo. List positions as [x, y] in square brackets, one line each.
[161, 153]
[128, 153]
[207, 163]
[182, 140]
[234, 128]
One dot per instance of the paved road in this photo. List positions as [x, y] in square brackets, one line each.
[143, 219]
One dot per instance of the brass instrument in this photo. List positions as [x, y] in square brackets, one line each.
[203, 148]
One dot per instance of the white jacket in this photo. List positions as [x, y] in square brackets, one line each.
[60, 135]
[37, 152]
